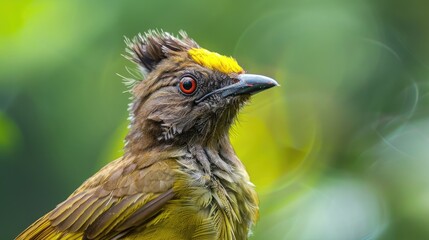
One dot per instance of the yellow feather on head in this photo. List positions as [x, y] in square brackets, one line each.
[214, 61]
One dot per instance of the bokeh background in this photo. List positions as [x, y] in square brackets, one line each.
[339, 151]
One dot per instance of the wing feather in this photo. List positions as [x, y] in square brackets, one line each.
[68, 211]
[83, 221]
[147, 210]
[77, 214]
[105, 223]
[107, 206]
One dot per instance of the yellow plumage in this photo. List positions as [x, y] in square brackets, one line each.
[215, 61]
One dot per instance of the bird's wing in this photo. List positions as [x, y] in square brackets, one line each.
[108, 205]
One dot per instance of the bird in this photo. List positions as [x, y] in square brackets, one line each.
[179, 176]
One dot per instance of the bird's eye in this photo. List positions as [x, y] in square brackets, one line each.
[188, 85]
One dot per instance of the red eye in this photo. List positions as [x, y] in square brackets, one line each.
[188, 85]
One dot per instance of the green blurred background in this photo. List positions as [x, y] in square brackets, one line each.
[339, 151]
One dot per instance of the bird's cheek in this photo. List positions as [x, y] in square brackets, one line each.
[237, 101]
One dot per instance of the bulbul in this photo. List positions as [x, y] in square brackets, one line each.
[179, 177]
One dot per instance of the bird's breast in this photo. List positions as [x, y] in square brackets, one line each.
[219, 193]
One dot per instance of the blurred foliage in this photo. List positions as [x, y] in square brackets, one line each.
[338, 152]
[9, 135]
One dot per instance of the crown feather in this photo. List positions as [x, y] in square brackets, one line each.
[148, 49]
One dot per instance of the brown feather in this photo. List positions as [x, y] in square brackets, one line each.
[149, 209]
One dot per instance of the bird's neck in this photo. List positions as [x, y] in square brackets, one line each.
[146, 135]
[218, 156]
[142, 138]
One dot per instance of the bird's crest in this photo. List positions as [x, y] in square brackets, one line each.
[214, 61]
[148, 49]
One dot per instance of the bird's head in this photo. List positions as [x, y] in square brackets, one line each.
[189, 94]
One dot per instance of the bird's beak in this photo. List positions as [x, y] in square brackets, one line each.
[247, 84]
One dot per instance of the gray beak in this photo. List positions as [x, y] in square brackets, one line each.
[247, 84]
